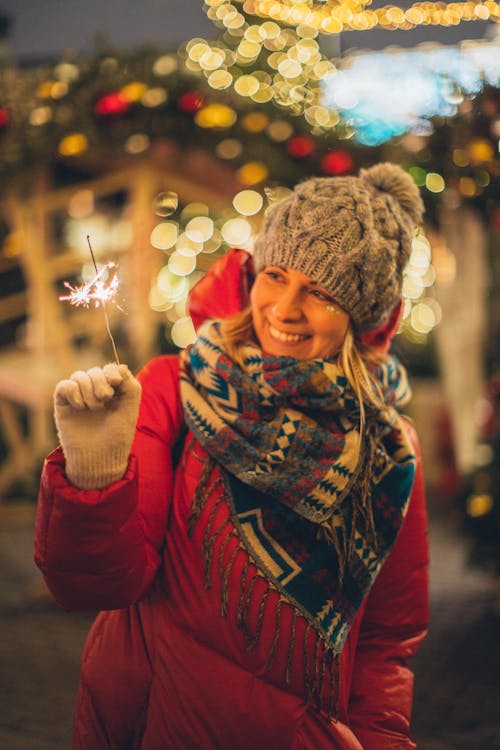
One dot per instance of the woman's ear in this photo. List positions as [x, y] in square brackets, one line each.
[225, 288]
[380, 339]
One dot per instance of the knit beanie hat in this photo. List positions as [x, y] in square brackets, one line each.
[352, 235]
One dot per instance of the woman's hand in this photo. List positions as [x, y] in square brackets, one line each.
[96, 414]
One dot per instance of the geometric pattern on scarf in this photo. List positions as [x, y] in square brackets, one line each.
[287, 430]
[288, 427]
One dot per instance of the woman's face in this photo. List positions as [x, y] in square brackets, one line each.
[295, 317]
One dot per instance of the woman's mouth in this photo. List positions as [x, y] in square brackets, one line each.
[290, 338]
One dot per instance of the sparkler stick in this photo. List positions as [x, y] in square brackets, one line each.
[104, 306]
[95, 290]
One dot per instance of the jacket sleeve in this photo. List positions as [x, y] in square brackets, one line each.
[394, 623]
[100, 549]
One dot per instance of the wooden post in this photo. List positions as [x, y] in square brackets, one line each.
[143, 263]
[460, 335]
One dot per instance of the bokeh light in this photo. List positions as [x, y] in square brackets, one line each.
[158, 301]
[74, 144]
[236, 232]
[434, 182]
[165, 65]
[166, 203]
[215, 116]
[252, 173]
[154, 97]
[280, 130]
[214, 243]
[137, 143]
[40, 115]
[181, 265]
[164, 235]
[248, 202]
[229, 148]
[187, 246]
[193, 209]
[199, 229]
[277, 193]
[183, 333]
[172, 286]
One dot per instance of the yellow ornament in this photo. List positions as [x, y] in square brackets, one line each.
[480, 151]
[252, 173]
[73, 144]
[215, 116]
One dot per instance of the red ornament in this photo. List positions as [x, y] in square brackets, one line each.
[190, 102]
[300, 146]
[4, 117]
[337, 163]
[112, 104]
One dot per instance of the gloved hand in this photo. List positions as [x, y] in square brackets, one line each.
[96, 413]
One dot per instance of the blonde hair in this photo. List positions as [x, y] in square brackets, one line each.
[235, 331]
[352, 357]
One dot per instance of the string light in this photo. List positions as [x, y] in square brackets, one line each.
[292, 63]
[285, 44]
[352, 15]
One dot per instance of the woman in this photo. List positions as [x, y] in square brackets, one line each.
[267, 586]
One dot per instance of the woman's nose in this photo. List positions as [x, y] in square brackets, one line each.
[287, 307]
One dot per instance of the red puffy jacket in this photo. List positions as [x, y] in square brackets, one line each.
[163, 668]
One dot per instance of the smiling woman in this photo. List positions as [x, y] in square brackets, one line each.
[268, 587]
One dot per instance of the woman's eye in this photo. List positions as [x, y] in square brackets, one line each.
[273, 275]
[320, 295]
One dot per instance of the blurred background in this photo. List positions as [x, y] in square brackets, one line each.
[161, 132]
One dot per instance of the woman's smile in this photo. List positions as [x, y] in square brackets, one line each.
[289, 338]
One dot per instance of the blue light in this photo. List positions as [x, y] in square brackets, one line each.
[386, 94]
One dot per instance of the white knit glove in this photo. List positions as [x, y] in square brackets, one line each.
[96, 414]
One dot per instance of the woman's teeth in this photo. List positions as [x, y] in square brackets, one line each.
[289, 337]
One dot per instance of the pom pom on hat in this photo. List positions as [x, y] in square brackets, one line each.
[391, 179]
[352, 235]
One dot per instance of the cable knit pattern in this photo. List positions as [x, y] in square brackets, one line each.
[352, 235]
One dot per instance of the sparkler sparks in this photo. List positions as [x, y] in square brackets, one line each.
[97, 291]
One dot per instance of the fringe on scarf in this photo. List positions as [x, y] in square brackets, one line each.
[340, 529]
[321, 663]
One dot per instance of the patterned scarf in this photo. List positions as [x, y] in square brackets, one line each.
[317, 505]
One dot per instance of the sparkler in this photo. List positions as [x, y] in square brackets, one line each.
[97, 291]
